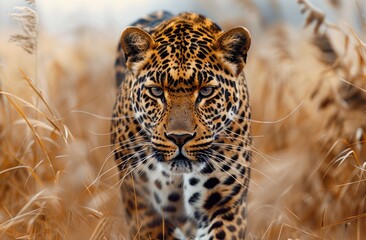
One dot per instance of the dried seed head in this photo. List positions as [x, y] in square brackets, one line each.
[28, 19]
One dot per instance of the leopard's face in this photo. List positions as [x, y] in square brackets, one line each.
[185, 88]
[183, 124]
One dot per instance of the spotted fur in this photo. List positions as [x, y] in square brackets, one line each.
[181, 128]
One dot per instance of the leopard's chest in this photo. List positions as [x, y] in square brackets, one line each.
[177, 197]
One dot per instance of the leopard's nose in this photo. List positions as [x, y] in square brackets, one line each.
[180, 139]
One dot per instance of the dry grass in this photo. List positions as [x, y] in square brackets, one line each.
[313, 186]
[50, 163]
[308, 99]
[28, 19]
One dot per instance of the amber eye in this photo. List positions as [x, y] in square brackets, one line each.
[156, 91]
[206, 91]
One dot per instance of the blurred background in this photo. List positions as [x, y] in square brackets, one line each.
[306, 74]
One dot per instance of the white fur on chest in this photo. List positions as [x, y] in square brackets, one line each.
[173, 191]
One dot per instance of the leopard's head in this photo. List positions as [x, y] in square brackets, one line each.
[186, 86]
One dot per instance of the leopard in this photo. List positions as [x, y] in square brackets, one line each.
[180, 128]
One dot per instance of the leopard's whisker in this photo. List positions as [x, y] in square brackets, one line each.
[249, 148]
[246, 139]
[116, 150]
[128, 140]
[238, 136]
[232, 147]
[150, 161]
[216, 160]
[109, 132]
[123, 126]
[127, 172]
[275, 121]
[255, 150]
[227, 131]
[134, 154]
[137, 146]
[135, 167]
[100, 116]
[100, 175]
[120, 147]
[114, 144]
[251, 167]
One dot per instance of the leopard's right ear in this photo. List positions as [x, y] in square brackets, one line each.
[135, 42]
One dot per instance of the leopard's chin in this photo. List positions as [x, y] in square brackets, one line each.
[180, 165]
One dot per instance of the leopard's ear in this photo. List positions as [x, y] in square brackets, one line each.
[135, 42]
[233, 46]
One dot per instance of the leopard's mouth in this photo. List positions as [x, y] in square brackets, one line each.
[179, 164]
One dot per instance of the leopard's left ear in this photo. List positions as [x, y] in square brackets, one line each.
[234, 45]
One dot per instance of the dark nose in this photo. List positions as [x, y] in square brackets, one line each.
[180, 139]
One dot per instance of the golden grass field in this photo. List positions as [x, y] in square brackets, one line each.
[58, 179]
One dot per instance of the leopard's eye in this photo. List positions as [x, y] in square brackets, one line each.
[156, 91]
[206, 91]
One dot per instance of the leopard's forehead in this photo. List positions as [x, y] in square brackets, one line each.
[188, 23]
[184, 56]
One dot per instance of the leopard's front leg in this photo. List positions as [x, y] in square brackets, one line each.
[143, 220]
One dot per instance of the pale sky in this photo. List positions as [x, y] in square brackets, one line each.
[64, 16]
